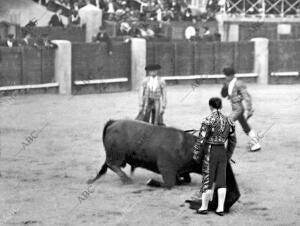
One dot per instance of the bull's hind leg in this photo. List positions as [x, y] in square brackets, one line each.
[124, 178]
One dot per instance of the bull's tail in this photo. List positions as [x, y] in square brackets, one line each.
[104, 167]
[101, 172]
[105, 128]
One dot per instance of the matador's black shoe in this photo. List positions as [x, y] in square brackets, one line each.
[220, 213]
[201, 211]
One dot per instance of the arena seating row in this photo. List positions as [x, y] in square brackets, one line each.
[135, 10]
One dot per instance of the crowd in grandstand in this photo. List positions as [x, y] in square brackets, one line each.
[137, 10]
[135, 18]
[28, 40]
[166, 10]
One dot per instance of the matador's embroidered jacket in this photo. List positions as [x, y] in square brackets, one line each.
[158, 92]
[215, 129]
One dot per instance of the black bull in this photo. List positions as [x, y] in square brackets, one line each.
[164, 150]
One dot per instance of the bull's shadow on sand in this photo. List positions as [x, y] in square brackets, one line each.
[163, 150]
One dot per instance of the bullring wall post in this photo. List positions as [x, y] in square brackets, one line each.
[138, 62]
[261, 59]
[63, 66]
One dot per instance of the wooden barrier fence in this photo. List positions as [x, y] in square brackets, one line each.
[26, 66]
[92, 69]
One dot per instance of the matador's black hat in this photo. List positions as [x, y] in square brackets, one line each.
[228, 71]
[152, 67]
[10, 35]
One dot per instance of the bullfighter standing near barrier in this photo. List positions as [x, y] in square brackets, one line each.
[236, 92]
[153, 96]
[210, 149]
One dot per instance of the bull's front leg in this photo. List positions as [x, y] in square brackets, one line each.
[169, 178]
[167, 170]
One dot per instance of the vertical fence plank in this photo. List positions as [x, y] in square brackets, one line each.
[184, 58]
[47, 65]
[164, 55]
[32, 65]
[10, 66]
[244, 57]
[91, 61]
[204, 58]
[224, 56]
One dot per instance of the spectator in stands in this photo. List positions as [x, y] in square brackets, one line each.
[10, 41]
[74, 18]
[56, 20]
[111, 9]
[146, 32]
[43, 2]
[75, 6]
[103, 4]
[27, 40]
[187, 16]
[175, 7]
[151, 10]
[125, 29]
[121, 12]
[206, 31]
[133, 15]
[102, 36]
[206, 34]
[213, 6]
[190, 33]
[32, 23]
[193, 32]
[167, 15]
[45, 42]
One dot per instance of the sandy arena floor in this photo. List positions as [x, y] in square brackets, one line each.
[42, 178]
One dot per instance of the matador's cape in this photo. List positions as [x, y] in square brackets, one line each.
[233, 194]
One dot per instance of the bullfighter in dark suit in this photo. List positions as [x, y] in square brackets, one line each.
[237, 93]
[10, 41]
[153, 96]
[103, 36]
[28, 40]
[210, 150]
[56, 20]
